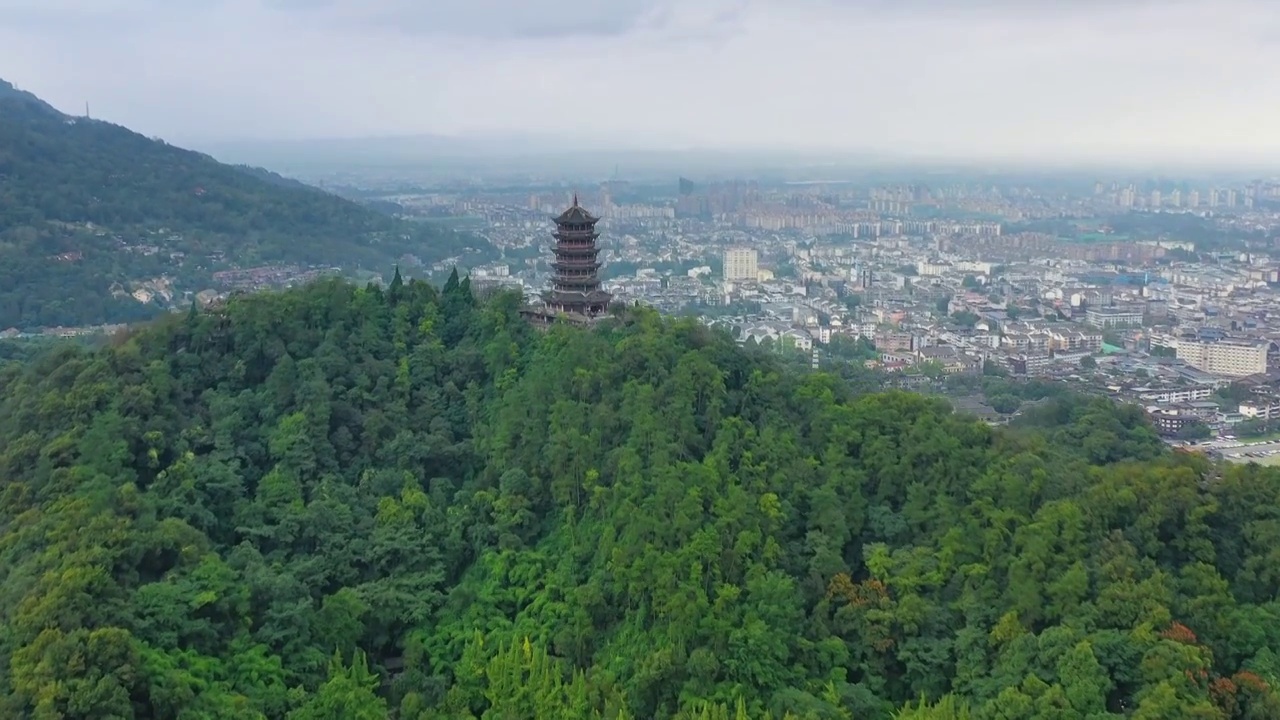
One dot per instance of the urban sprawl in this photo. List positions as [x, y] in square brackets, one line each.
[1162, 294]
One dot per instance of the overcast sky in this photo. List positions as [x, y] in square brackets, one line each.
[958, 77]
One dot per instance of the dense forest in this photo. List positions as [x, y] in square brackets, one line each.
[342, 502]
[102, 197]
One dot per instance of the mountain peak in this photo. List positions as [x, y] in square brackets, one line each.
[10, 93]
[95, 215]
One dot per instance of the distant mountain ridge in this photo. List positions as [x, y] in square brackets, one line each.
[10, 93]
[568, 156]
[90, 211]
[273, 177]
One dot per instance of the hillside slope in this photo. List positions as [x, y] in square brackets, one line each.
[352, 503]
[88, 209]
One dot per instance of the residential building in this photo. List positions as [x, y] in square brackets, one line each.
[741, 264]
[1230, 357]
[1173, 395]
[1261, 409]
[1171, 421]
[1113, 317]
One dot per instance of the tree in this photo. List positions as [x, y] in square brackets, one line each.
[103, 213]
[1004, 404]
[1194, 430]
[396, 290]
[1235, 393]
[338, 500]
[1254, 428]
[850, 349]
[349, 693]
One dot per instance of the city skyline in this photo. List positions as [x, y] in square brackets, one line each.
[922, 78]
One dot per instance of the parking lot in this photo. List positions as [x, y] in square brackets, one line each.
[1263, 452]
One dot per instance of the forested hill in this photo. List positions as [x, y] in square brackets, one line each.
[88, 208]
[352, 503]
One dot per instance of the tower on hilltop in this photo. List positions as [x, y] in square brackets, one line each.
[575, 283]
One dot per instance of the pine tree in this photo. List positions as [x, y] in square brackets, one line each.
[396, 291]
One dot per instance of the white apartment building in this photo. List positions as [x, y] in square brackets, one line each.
[932, 268]
[1174, 395]
[975, 266]
[1233, 358]
[741, 264]
[1262, 408]
[1113, 317]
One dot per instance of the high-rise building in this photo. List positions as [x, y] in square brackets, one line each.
[1231, 357]
[741, 264]
[575, 285]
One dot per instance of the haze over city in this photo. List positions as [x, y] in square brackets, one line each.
[1004, 79]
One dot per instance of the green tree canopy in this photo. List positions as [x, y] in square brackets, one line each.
[351, 502]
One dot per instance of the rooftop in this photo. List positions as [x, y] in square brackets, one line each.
[576, 214]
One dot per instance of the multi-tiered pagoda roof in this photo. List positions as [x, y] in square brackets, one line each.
[575, 283]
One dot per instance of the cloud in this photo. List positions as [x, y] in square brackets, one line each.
[998, 77]
[505, 19]
[479, 18]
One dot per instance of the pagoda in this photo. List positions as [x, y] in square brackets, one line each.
[575, 283]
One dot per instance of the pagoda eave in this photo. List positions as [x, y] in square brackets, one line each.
[578, 296]
[575, 216]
